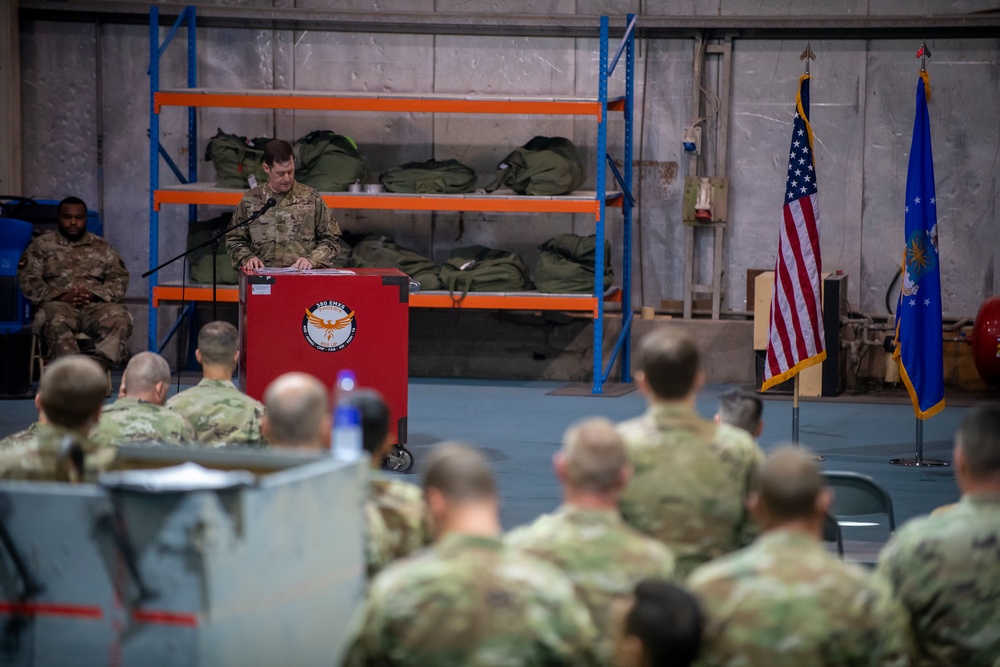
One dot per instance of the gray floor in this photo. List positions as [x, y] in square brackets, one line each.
[519, 426]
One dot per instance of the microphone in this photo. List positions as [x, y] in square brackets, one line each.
[270, 203]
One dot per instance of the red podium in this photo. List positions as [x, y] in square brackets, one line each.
[323, 321]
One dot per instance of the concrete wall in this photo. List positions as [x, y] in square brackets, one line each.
[85, 117]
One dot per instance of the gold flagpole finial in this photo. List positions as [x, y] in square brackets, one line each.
[808, 55]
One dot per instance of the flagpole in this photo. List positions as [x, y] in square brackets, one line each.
[795, 411]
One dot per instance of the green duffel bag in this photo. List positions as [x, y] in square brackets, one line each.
[200, 261]
[545, 166]
[378, 252]
[235, 159]
[343, 258]
[480, 269]
[329, 162]
[441, 177]
[566, 265]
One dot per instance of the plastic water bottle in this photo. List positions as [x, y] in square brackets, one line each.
[346, 444]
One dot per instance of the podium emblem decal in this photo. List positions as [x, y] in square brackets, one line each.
[329, 326]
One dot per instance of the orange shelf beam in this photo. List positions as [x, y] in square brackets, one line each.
[231, 294]
[401, 202]
[391, 104]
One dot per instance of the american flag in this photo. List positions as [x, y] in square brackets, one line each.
[795, 331]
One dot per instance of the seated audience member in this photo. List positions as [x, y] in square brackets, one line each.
[691, 476]
[70, 395]
[297, 412]
[658, 625]
[945, 568]
[786, 600]
[76, 280]
[468, 599]
[220, 413]
[298, 416]
[138, 416]
[742, 410]
[586, 537]
[400, 504]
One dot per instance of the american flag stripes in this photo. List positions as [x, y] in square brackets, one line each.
[795, 331]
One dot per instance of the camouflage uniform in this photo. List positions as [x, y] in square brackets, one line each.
[470, 601]
[690, 482]
[603, 557]
[220, 413]
[786, 601]
[378, 541]
[50, 267]
[946, 571]
[130, 420]
[403, 511]
[37, 459]
[300, 225]
[20, 437]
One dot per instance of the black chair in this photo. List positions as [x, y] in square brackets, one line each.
[857, 496]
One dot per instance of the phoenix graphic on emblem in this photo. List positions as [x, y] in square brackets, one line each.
[329, 326]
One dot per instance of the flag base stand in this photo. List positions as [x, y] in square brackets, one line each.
[918, 461]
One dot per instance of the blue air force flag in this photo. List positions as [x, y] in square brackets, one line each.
[918, 312]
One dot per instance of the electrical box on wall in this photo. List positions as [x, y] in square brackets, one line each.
[705, 200]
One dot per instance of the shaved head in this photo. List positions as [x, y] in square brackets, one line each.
[217, 344]
[298, 411]
[460, 473]
[144, 371]
[72, 390]
[789, 483]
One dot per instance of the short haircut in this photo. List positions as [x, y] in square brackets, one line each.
[144, 371]
[460, 473]
[667, 620]
[979, 439]
[788, 483]
[670, 361]
[277, 150]
[296, 405]
[595, 455]
[218, 342]
[72, 390]
[374, 418]
[740, 409]
[71, 201]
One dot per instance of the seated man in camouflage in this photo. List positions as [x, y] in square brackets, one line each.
[945, 568]
[742, 410]
[400, 504]
[138, 416]
[70, 394]
[586, 537]
[691, 477]
[220, 413]
[76, 281]
[787, 601]
[469, 599]
[297, 413]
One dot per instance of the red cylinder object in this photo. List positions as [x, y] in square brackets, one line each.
[986, 341]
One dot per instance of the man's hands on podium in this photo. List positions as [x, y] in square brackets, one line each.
[254, 263]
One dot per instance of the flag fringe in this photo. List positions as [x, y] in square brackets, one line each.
[912, 391]
[927, 84]
[805, 117]
[790, 373]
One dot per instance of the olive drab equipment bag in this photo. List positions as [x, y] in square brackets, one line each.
[200, 261]
[329, 162]
[481, 269]
[378, 252]
[545, 166]
[235, 159]
[440, 177]
[566, 265]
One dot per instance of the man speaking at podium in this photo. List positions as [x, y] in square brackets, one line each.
[293, 225]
